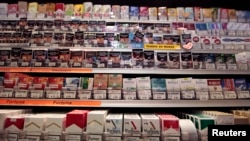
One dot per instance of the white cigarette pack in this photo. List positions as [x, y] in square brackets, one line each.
[55, 123]
[132, 124]
[150, 125]
[113, 124]
[96, 121]
[34, 123]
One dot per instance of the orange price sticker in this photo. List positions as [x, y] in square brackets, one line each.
[32, 102]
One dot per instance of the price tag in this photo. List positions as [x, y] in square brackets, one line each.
[174, 95]
[144, 96]
[54, 138]
[2, 63]
[64, 65]
[95, 138]
[216, 95]
[218, 47]
[101, 65]
[202, 95]
[188, 94]
[229, 47]
[100, 96]
[69, 94]
[231, 66]
[129, 97]
[74, 137]
[115, 96]
[38, 64]
[36, 94]
[21, 93]
[243, 94]
[12, 137]
[207, 47]
[239, 47]
[89, 65]
[221, 66]
[77, 64]
[52, 64]
[173, 139]
[25, 64]
[52, 94]
[23, 139]
[210, 66]
[159, 96]
[230, 95]
[6, 93]
[33, 138]
[243, 67]
[13, 64]
[143, 18]
[85, 96]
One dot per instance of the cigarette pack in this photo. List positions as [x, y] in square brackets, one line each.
[114, 124]
[132, 125]
[96, 121]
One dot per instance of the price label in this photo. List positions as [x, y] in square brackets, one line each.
[95, 138]
[23, 139]
[243, 94]
[36, 94]
[2, 63]
[239, 47]
[99, 96]
[21, 93]
[202, 95]
[101, 65]
[230, 95]
[129, 97]
[243, 67]
[218, 47]
[216, 95]
[74, 137]
[115, 96]
[221, 66]
[174, 95]
[188, 94]
[159, 96]
[54, 138]
[232, 67]
[229, 47]
[207, 47]
[89, 65]
[171, 139]
[13, 64]
[144, 96]
[69, 94]
[210, 66]
[85, 96]
[12, 137]
[77, 64]
[25, 64]
[52, 94]
[38, 64]
[33, 138]
[52, 64]
[64, 65]
[6, 93]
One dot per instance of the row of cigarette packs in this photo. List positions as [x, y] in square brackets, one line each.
[95, 123]
[212, 28]
[136, 58]
[114, 86]
[100, 124]
[88, 10]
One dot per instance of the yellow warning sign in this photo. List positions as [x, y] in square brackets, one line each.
[162, 46]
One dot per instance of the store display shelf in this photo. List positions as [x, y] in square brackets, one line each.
[122, 71]
[124, 103]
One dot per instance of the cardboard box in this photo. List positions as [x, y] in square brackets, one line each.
[150, 125]
[169, 125]
[76, 121]
[114, 124]
[132, 124]
[96, 121]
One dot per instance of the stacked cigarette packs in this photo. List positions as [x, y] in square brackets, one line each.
[114, 126]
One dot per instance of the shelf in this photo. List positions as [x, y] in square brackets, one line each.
[124, 103]
[123, 71]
